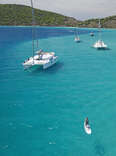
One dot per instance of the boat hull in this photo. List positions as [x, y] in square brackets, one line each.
[77, 40]
[100, 45]
[37, 63]
[100, 48]
[50, 63]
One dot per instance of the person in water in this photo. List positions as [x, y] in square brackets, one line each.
[87, 121]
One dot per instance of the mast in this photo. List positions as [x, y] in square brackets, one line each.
[99, 29]
[76, 34]
[37, 42]
[33, 33]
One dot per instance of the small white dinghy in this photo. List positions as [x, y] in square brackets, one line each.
[87, 126]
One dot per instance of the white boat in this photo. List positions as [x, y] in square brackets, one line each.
[100, 44]
[42, 58]
[87, 127]
[91, 34]
[77, 38]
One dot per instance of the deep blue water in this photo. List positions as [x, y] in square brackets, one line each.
[42, 111]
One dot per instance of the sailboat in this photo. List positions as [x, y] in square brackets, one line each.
[91, 34]
[100, 44]
[77, 39]
[42, 58]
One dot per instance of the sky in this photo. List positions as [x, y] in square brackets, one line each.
[79, 9]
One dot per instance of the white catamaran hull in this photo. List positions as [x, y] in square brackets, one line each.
[45, 63]
[50, 63]
[100, 45]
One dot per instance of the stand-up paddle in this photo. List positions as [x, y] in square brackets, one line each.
[87, 126]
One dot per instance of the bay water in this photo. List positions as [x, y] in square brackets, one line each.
[42, 112]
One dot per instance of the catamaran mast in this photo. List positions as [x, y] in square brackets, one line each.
[33, 32]
[99, 30]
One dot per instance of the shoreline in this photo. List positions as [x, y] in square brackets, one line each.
[58, 27]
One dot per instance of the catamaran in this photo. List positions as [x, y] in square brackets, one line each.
[77, 39]
[100, 44]
[42, 58]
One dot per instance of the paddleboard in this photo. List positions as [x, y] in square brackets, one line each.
[87, 128]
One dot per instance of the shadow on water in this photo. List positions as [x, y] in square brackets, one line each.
[54, 68]
[99, 149]
[79, 42]
[51, 70]
[106, 49]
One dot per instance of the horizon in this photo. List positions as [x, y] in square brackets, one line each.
[84, 12]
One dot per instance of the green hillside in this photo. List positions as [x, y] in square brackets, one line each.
[11, 14]
[22, 15]
[108, 22]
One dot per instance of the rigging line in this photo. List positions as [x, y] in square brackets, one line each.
[34, 33]
[33, 29]
[37, 42]
[99, 29]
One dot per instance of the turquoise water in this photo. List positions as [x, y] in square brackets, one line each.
[42, 111]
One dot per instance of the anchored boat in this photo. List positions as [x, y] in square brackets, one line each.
[42, 58]
[100, 44]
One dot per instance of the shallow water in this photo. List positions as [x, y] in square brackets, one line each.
[42, 111]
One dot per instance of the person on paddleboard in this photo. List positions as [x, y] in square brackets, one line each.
[87, 126]
[86, 121]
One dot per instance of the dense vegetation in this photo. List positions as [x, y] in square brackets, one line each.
[22, 15]
[108, 22]
[11, 14]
